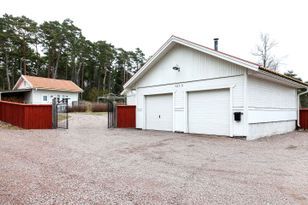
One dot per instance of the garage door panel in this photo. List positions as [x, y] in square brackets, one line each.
[209, 112]
[159, 112]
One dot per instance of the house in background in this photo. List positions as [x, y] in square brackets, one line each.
[186, 87]
[38, 90]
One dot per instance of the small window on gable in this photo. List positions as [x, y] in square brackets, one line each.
[25, 84]
[44, 98]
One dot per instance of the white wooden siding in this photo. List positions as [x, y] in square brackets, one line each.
[23, 85]
[37, 96]
[193, 64]
[272, 108]
[258, 130]
[131, 98]
[269, 102]
[266, 94]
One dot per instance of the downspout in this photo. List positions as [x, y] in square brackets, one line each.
[298, 105]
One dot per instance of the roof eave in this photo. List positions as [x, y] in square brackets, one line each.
[286, 78]
[60, 90]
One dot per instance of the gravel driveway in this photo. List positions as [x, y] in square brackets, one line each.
[89, 164]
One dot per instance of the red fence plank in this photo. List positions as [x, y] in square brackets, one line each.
[26, 116]
[303, 118]
[126, 116]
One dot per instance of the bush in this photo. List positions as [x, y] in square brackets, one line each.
[92, 94]
[99, 107]
[77, 108]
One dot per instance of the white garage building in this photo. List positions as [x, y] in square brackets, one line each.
[186, 87]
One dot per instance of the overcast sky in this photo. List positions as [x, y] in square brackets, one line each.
[147, 24]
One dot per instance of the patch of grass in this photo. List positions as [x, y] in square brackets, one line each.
[62, 116]
[4, 125]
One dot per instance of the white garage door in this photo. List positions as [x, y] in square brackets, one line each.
[209, 112]
[159, 115]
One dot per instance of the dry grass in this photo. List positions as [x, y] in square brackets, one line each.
[4, 125]
[62, 116]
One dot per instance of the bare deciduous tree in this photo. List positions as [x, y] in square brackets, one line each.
[263, 52]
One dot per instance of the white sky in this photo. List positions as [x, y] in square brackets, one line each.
[147, 24]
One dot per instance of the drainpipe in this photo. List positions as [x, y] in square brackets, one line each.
[298, 105]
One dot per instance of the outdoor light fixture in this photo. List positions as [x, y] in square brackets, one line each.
[176, 68]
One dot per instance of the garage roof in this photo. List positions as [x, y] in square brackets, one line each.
[173, 40]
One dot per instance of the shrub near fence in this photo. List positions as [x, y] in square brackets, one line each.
[99, 107]
[88, 107]
[26, 116]
[77, 108]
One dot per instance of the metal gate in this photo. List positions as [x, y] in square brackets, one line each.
[111, 114]
[112, 100]
[60, 113]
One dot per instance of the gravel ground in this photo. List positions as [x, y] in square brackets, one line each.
[89, 164]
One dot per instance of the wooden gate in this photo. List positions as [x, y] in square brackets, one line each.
[126, 116]
[303, 118]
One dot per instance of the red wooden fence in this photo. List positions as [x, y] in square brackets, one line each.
[126, 116]
[303, 116]
[27, 116]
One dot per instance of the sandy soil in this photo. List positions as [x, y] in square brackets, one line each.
[89, 164]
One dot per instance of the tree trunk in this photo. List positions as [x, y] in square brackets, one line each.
[66, 74]
[73, 69]
[77, 73]
[7, 71]
[124, 75]
[57, 64]
[24, 59]
[82, 78]
[25, 67]
[82, 81]
[50, 57]
[104, 79]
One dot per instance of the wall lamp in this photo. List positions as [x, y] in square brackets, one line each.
[176, 68]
